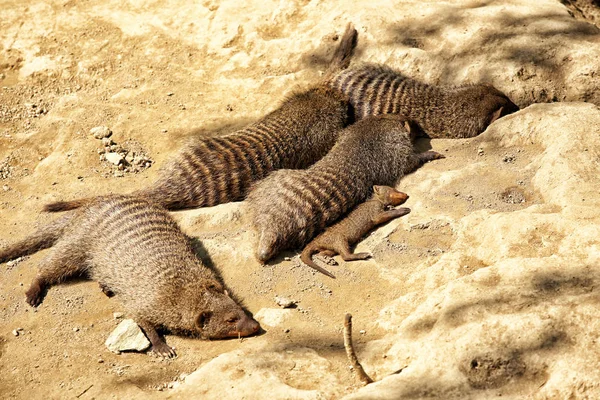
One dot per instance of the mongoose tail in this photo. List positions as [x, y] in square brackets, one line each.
[344, 52]
[306, 258]
[60, 206]
[42, 239]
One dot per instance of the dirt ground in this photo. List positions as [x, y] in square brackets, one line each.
[68, 66]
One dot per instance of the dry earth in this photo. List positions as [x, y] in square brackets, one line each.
[489, 287]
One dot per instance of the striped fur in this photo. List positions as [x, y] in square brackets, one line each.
[221, 169]
[290, 207]
[218, 170]
[440, 111]
[134, 249]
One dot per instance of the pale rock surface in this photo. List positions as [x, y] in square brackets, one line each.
[127, 336]
[270, 373]
[511, 308]
[273, 316]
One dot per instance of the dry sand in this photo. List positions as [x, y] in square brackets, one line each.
[489, 287]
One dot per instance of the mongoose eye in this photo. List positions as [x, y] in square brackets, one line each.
[233, 319]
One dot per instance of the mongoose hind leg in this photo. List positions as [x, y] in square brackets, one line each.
[64, 262]
[347, 255]
[328, 253]
[159, 346]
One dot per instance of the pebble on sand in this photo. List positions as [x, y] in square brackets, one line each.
[127, 336]
[101, 132]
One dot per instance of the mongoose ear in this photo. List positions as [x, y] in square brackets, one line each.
[377, 189]
[202, 319]
[408, 127]
[496, 114]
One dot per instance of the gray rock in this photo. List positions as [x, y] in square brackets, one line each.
[101, 132]
[127, 336]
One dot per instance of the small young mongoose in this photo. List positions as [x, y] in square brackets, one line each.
[136, 251]
[440, 111]
[290, 206]
[338, 238]
[218, 170]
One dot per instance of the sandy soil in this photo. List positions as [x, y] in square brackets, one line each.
[159, 72]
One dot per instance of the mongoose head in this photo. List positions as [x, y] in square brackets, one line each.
[388, 196]
[267, 246]
[212, 314]
[481, 105]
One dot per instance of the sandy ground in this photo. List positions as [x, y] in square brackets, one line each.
[159, 72]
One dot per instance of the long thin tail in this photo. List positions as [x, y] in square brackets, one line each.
[344, 52]
[66, 205]
[306, 258]
[42, 239]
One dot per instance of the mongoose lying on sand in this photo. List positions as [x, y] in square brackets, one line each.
[338, 238]
[440, 111]
[136, 251]
[218, 170]
[290, 206]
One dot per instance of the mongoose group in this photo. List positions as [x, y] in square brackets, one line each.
[302, 168]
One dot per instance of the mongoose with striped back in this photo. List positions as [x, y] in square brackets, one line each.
[218, 170]
[290, 207]
[134, 249]
[338, 238]
[440, 111]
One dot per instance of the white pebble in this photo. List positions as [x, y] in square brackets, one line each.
[118, 315]
[100, 132]
[113, 158]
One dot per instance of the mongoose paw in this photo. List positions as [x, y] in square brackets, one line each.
[431, 155]
[163, 350]
[362, 256]
[34, 296]
[109, 293]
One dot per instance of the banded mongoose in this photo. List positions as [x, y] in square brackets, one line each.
[135, 250]
[218, 170]
[440, 111]
[338, 238]
[290, 206]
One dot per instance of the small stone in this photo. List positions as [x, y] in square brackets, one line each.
[170, 94]
[480, 151]
[118, 315]
[107, 141]
[6, 188]
[287, 330]
[287, 259]
[101, 132]
[284, 302]
[362, 331]
[100, 361]
[119, 174]
[127, 336]
[75, 329]
[15, 332]
[129, 157]
[113, 158]
[164, 131]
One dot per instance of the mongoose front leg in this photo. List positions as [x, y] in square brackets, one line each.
[159, 346]
[430, 155]
[390, 215]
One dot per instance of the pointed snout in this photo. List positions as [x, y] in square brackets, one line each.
[247, 326]
[398, 198]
